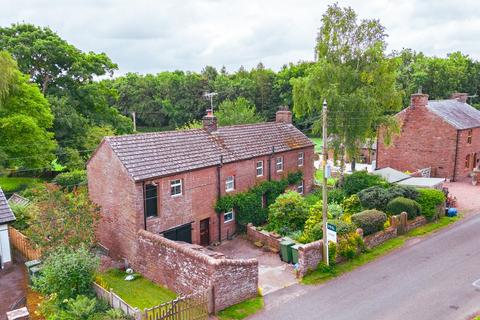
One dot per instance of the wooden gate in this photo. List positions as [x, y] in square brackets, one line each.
[190, 307]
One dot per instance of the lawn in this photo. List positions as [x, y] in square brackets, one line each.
[318, 144]
[322, 275]
[242, 309]
[319, 177]
[140, 293]
[14, 184]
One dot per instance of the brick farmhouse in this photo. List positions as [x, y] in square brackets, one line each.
[168, 182]
[443, 135]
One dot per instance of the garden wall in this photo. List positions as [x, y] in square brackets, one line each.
[415, 223]
[186, 270]
[270, 240]
[309, 256]
[380, 237]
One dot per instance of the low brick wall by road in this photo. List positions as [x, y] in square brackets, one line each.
[380, 237]
[415, 223]
[185, 270]
[309, 256]
[268, 239]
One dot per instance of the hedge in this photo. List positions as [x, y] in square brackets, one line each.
[71, 179]
[429, 200]
[401, 204]
[370, 221]
[377, 197]
[361, 180]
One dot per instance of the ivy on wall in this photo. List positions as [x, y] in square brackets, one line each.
[252, 205]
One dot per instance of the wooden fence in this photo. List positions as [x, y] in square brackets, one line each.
[190, 307]
[21, 243]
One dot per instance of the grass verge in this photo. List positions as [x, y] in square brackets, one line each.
[140, 293]
[242, 310]
[326, 273]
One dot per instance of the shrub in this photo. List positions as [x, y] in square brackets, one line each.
[351, 205]
[350, 246]
[403, 191]
[334, 211]
[335, 195]
[288, 213]
[401, 204]
[332, 253]
[374, 198]
[71, 179]
[343, 227]
[429, 200]
[360, 180]
[22, 217]
[370, 221]
[67, 273]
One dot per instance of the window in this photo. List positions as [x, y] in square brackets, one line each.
[469, 136]
[230, 183]
[300, 187]
[151, 200]
[176, 187]
[467, 161]
[300, 159]
[279, 164]
[259, 168]
[228, 216]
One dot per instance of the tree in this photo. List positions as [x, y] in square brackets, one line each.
[240, 111]
[50, 61]
[288, 213]
[95, 135]
[25, 119]
[354, 75]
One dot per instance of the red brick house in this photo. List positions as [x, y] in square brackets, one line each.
[168, 182]
[441, 134]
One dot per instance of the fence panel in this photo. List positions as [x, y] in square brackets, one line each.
[21, 243]
[190, 307]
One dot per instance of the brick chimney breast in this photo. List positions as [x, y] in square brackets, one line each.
[283, 115]
[209, 122]
[461, 97]
[418, 100]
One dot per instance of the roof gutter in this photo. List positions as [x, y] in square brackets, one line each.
[456, 157]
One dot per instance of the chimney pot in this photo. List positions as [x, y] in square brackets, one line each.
[418, 100]
[209, 122]
[460, 96]
[283, 115]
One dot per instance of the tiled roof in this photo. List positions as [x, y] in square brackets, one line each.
[6, 214]
[158, 154]
[458, 114]
[18, 200]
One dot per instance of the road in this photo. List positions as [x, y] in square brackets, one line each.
[428, 278]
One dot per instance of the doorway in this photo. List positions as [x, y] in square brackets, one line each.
[205, 232]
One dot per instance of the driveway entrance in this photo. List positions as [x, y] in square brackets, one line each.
[273, 273]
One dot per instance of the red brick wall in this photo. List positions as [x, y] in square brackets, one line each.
[265, 237]
[185, 270]
[464, 148]
[425, 140]
[110, 186]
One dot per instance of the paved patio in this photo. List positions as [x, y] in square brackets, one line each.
[13, 287]
[468, 196]
[273, 273]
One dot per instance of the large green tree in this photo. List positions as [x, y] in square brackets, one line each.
[355, 77]
[25, 120]
[240, 111]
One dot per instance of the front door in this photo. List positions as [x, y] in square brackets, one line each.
[205, 232]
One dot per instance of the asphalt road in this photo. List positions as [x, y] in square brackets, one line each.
[429, 278]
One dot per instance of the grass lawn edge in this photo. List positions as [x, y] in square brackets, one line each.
[318, 277]
[242, 310]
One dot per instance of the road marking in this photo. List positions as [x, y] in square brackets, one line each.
[476, 283]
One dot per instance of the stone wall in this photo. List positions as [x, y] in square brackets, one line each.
[184, 270]
[380, 237]
[415, 223]
[268, 239]
[309, 256]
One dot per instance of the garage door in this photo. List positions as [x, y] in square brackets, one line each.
[182, 233]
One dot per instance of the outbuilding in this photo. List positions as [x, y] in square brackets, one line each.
[6, 217]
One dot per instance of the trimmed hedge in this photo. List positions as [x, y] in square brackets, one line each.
[374, 198]
[361, 180]
[71, 179]
[401, 204]
[370, 221]
[429, 200]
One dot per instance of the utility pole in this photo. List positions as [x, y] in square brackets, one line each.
[134, 122]
[324, 184]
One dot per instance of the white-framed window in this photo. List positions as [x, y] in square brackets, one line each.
[230, 183]
[300, 187]
[176, 187]
[228, 216]
[300, 159]
[279, 164]
[260, 168]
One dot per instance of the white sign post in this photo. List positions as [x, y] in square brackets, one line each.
[331, 232]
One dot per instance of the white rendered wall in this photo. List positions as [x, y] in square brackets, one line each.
[4, 245]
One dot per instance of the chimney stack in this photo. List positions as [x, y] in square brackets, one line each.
[418, 100]
[460, 97]
[283, 115]
[209, 122]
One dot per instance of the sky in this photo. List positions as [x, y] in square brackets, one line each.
[152, 36]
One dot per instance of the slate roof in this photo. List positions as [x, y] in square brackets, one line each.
[6, 214]
[458, 114]
[391, 175]
[157, 154]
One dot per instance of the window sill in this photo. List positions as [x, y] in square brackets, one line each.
[176, 195]
[229, 221]
[229, 190]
